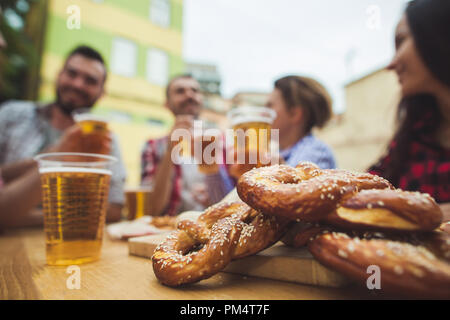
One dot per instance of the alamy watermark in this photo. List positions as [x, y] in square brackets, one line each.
[74, 280]
[374, 280]
[373, 21]
[74, 18]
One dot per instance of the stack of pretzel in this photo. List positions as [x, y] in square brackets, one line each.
[349, 221]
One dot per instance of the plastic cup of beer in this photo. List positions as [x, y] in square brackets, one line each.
[137, 202]
[94, 127]
[75, 189]
[251, 136]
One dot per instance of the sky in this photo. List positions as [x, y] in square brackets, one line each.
[255, 42]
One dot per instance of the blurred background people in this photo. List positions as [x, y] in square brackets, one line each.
[20, 186]
[301, 104]
[418, 156]
[28, 129]
[180, 187]
[24, 184]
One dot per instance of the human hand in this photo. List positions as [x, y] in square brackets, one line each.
[74, 140]
[236, 169]
[182, 122]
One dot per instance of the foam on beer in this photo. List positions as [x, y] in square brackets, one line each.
[74, 170]
[250, 119]
[89, 117]
[248, 114]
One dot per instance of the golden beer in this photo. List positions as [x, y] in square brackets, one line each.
[203, 166]
[91, 123]
[74, 204]
[95, 131]
[94, 126]
[252, 135]
[137, 202]
[75, 189]
[207, 161]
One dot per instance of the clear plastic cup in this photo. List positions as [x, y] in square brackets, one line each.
[75, 189]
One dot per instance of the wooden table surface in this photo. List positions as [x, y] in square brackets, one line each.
[117, 275]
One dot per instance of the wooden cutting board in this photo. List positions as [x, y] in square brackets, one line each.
[278, 262]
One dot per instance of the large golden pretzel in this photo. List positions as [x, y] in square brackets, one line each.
[421, 270]
[227, 231]
[394, 230]
[317, 203]
[339, 197]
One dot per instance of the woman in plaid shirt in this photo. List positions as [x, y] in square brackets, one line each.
[418, 157]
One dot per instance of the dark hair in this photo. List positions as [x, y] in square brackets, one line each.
[430, 28]
[179, 76]
[429, 22]
[87, 52]
[310, 95]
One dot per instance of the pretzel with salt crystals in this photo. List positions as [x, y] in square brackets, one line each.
[337, 197]
[421, 270]
[304, 192]
[387, 210]
[226, 231]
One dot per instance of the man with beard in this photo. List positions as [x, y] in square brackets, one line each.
[179, 187]
[27, 128]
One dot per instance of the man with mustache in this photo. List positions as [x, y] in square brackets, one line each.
[180, 187]
[27, 128]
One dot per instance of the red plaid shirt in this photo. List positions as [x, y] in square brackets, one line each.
[153, 151]
[218, 184]
[427, 169]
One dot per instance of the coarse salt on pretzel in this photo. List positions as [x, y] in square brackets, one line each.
[198, 250]
[304, 192]
[405, 269]
[174, 262]
[387, 209]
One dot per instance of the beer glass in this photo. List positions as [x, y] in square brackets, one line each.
[251, 136]
[137, 202]
[75, 190]
[94, 128]
[90, 123]
[207, 139]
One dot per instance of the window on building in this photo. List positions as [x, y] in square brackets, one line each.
[124, 57]
[160, 12]
[157, 69]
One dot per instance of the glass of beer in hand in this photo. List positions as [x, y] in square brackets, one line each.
[95, 131]
[207, 147]
[75, 189]
[251, 137]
